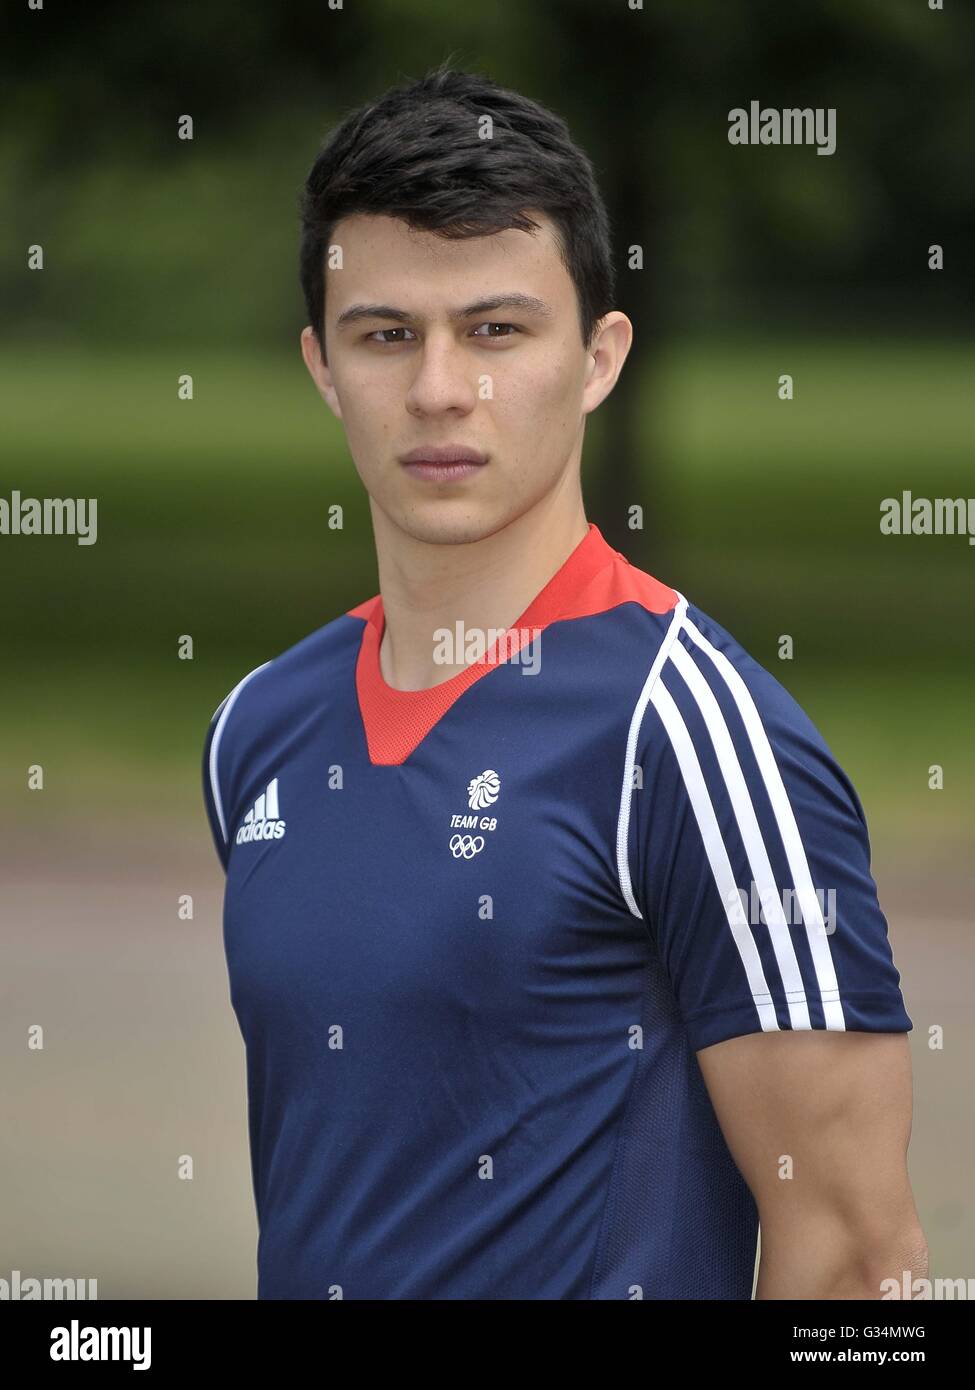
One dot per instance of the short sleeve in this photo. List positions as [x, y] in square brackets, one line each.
[219, 781]
[212, 793]
[751, 854]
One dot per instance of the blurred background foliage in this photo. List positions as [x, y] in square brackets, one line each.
[164, 256]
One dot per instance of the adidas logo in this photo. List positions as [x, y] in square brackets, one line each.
[261, 821]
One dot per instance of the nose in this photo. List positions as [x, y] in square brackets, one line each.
[443, 380]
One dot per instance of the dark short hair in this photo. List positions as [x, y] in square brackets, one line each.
[416, 154]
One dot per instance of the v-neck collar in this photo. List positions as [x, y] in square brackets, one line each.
[589, 581]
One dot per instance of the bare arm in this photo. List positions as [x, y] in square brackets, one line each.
[818, 1123]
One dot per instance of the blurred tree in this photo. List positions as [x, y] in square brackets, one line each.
[729, 235]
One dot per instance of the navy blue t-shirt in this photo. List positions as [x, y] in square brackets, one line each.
[476, 934]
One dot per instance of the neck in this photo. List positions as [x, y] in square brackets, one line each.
[483, 584]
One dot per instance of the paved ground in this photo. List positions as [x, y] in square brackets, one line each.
[143, 1062]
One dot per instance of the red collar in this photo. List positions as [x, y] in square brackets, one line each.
[594, 578]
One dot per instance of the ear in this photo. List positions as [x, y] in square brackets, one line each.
[319, 371]
[609, 350]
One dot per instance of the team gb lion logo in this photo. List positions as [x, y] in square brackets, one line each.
[483, 790]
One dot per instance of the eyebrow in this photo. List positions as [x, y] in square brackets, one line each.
[526, 303]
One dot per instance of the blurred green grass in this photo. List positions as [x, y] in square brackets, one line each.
[776, 504]
[213, 522]
[129, 741]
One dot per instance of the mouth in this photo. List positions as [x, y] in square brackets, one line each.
[443, 464]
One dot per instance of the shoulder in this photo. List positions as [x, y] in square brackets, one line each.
[272, 699]
[280, 686]
[675, 656]
[712, 698]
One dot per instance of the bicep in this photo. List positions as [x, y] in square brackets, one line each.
[818, 1124]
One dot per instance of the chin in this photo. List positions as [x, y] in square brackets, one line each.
[456, 523]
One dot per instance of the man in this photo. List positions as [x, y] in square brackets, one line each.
[549, 918]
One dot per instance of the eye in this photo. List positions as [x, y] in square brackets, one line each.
[371, 337]
[514, 329]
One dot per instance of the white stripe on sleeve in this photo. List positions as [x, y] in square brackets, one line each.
[717, 854]
[812, 915]
[228, 705]
[751, 836]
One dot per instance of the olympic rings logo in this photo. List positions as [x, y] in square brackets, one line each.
[466, 846]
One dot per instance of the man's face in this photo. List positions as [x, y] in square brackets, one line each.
[511, 381]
